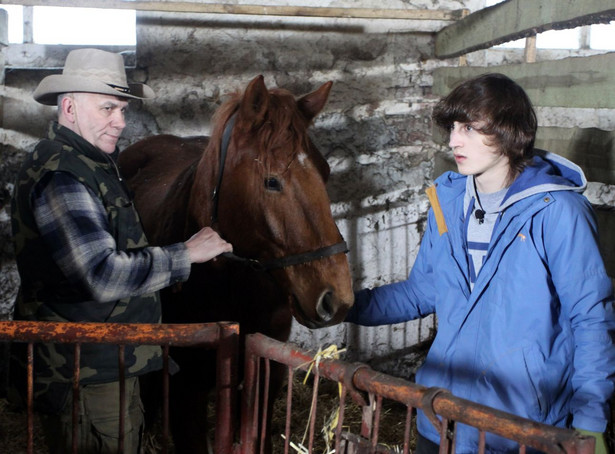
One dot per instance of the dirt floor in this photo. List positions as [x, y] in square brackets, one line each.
[13, 422]
[392, 421]
[13, 431]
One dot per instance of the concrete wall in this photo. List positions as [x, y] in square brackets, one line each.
[375, 130]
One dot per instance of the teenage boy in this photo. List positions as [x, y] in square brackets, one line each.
[510, 265]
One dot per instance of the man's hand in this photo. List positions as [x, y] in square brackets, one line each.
[205, 245]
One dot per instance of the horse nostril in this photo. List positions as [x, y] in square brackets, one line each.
[326, 308]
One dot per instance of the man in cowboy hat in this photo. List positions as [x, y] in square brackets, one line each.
[82, 254]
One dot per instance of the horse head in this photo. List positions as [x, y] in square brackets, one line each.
[270, 199]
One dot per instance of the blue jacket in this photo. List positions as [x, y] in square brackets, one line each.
[533, 336]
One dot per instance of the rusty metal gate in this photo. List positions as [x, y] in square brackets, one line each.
[365, 386]
[220, 336]
[358, 381]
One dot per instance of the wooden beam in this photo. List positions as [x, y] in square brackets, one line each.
[570, 82]
[257, 10]
[530, 49]
[515, 19]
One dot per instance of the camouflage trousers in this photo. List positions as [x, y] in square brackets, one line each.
[99, 419]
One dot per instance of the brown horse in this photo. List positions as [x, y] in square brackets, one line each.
[260, 182]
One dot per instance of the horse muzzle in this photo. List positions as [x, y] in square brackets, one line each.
[329, 310]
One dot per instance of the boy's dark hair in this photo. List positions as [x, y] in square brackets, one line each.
[504, 109]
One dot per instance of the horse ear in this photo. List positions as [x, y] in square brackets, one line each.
[312, 104]
[255, 101]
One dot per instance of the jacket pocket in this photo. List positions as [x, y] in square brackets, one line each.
[124, 222]
[538, 410]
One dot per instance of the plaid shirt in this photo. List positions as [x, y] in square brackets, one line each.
[73, 224]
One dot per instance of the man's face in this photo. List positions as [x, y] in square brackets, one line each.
[99, 119]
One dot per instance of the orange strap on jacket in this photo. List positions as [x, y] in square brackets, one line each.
[432, 195]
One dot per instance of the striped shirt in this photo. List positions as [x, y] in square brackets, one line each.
[480, 228]
[73, 224]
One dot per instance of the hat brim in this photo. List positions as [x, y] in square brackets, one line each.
[51, 86]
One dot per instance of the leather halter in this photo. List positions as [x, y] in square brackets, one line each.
[226, 138]
[281, 262]
[290, 260]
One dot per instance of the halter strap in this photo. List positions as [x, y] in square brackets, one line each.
[226, 138]
[290, 260]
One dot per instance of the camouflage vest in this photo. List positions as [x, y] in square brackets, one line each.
[45, 293]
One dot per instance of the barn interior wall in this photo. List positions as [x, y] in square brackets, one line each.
[375, 130]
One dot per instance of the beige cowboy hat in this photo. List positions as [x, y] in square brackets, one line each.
[90, 71]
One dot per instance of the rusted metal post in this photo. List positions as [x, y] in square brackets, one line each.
[265, 408]
[249, 420]
[122, 383]
[313, 409]
[289, 406]
[367, 418]
[226, 384]
[76, 375]
[407, 428]
[30, 398]
[165, 399]
[340, 421]
[376, 425]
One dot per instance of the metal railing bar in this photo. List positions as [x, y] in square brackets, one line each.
[180, 335]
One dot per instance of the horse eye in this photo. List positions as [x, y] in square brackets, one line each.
[273, 184]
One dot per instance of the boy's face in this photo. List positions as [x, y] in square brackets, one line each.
[475, 155]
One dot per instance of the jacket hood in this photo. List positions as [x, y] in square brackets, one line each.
[547, 172]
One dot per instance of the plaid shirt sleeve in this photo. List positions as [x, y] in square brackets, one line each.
[73, 224]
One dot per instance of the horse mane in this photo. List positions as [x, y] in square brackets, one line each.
[283, 122]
